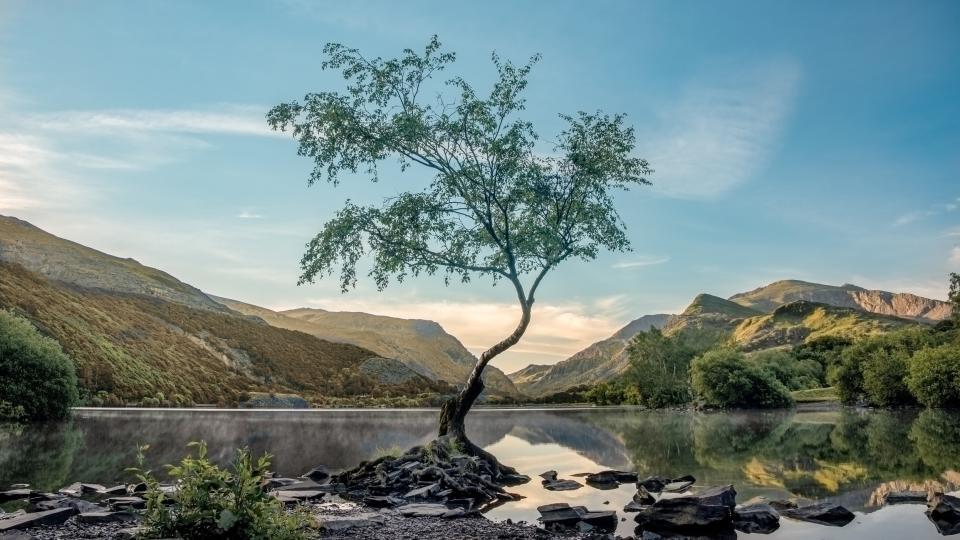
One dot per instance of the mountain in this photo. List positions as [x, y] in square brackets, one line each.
[69, 262]
[599, 362]
[780, 314]
[799, 321]
[424, 346]
[903, 305]
[134, 332]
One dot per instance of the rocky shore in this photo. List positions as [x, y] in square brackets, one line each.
[425, 503]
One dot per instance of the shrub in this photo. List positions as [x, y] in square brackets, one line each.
[935, 376]
[724, 378]
[36, 377]
[885, 377]
[794, 373]
[214, 503]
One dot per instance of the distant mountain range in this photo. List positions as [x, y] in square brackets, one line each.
[134, 331]
[780, 314]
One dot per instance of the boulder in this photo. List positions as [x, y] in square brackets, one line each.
[678, 485]
[653, 484]
[642, 496]
[824, 513]
[943, 511]
[563, 516]
[906, 497]
[756, 518]
[318, 474]
[37, 519]
[712, 534]
[79, 505]
[684, 513]
[722, 495]
[97, 518]
[549, 476]
[92, 488]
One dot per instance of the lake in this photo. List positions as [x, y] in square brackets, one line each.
[851, 457]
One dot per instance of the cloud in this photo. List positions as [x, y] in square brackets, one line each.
[229, 120]
[954, 259]
[248, 215]
[643, 260]
[31, 175]
[719, 134]
[913, 217]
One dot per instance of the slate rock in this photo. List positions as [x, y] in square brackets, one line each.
[318, 474]
[429, 510]
[92, 488]
[943, 510]
[682, 513]
[561, 485]
[98, 518]
[362, 521]
[36, 519]
[906, 497]
[303, 495]
[756, 518]
[15, 494]
[383, 501]
[643, 497]
[722, 495]
[278, 482]
[824, 513]
[677, 486]
[423, 492]
[115, 490]
[549, 476]
[126, 502]
[16, 535]
[653, 484]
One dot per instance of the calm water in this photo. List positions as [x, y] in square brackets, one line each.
[848, 457]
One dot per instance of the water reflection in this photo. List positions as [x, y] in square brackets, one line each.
[847, 456]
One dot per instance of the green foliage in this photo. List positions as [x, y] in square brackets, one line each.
[875, 368]
[495, 206]
[659, 365]
[37, 380]
[935, 376]
[211, 502]
[725, 379]
[613, 393]
[794, 373]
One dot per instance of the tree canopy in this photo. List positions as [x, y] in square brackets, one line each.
[498, 205]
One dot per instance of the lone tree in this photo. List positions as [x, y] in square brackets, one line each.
[497, 205]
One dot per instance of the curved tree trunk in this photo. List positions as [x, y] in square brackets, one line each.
[454, 411]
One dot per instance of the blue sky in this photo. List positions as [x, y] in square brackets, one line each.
[814, 140]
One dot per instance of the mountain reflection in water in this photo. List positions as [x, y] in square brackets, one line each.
[851, 457]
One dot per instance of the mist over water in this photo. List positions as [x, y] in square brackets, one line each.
[851, 457]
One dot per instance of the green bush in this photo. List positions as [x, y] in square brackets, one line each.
[214, 503]
[794, 373]
[36, 377]
[882, 360]
[725, 379]
[935, 376]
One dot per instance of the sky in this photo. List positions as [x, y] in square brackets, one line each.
[815, 140]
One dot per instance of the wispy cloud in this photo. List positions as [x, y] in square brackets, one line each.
[954, 259]
[912, 217]
[248, 215]
[720, 133]
[228, 120]
[641, 261]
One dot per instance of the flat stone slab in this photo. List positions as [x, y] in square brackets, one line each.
[429, 510]
[299, 495]
[126, 502]
[677, 486]
[363, 521]
[906, 497]
[824, 513]
[756, 518]
[15, 494]
[36, 519]
[561, 485]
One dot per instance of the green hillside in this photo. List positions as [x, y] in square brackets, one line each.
[128, 347]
